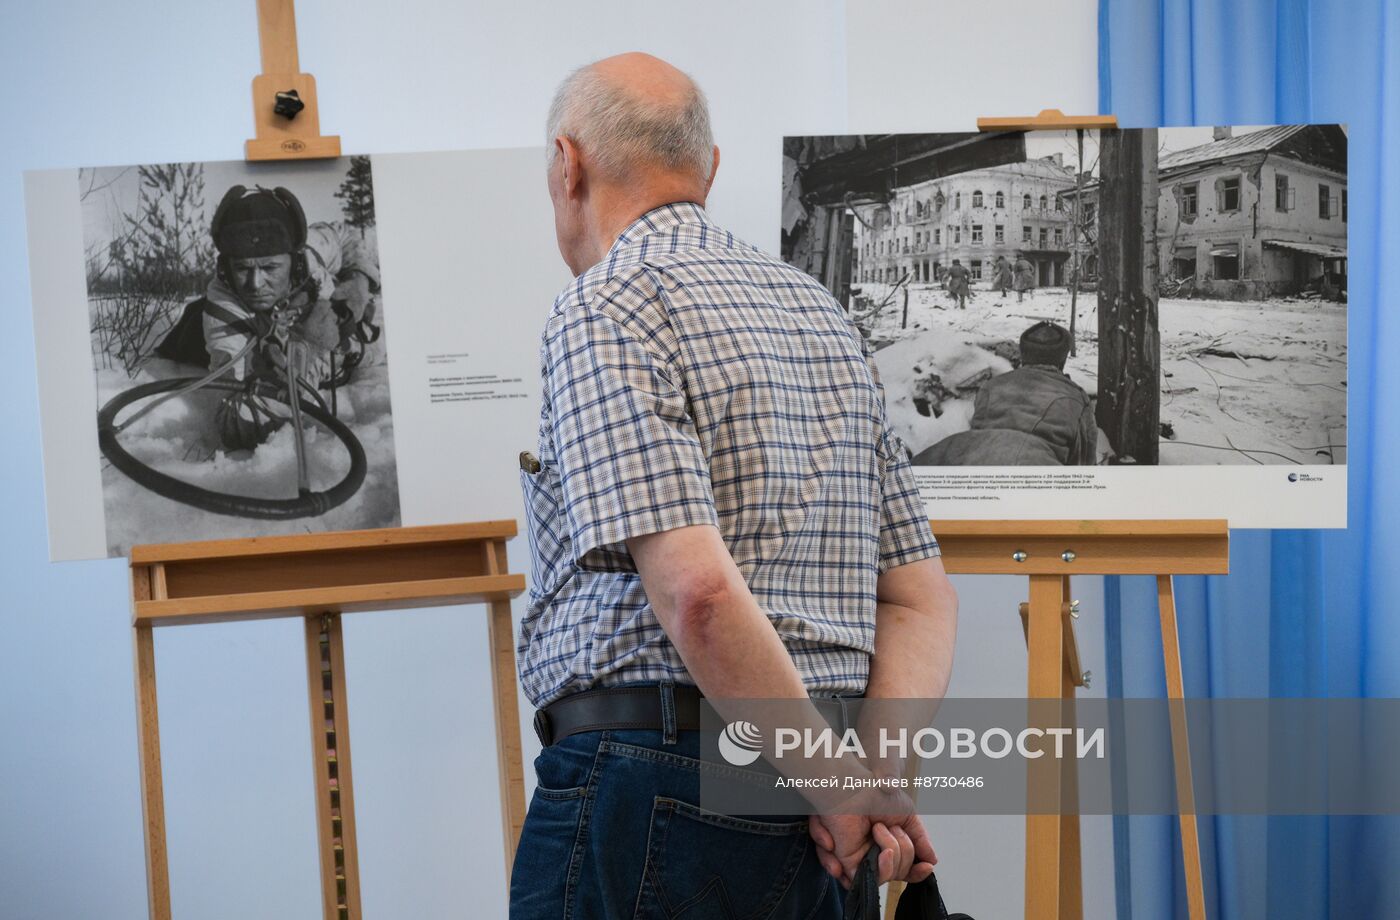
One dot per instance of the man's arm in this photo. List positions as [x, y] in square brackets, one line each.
[732, 651]
[916, 613]
[728, 646]
[703, 603]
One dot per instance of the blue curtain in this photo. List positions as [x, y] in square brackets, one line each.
[1303, 613]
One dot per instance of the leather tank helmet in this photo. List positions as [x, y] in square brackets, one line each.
[257, 223]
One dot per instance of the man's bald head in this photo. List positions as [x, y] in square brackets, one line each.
[632, 116]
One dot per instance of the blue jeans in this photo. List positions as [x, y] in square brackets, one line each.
[614, 832]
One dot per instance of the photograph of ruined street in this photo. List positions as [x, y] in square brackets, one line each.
[1158, 296]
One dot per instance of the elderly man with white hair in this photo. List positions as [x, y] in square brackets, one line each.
[717, 507]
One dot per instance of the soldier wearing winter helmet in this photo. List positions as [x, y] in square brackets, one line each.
[288, 302]
[277, 280]
[1034, 415]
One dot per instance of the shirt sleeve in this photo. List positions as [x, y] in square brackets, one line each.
[905, 533]
[625, 444]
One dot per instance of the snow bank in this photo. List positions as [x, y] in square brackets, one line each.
[1242, 382]
[178, 439]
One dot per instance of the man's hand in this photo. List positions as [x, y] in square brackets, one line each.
[842, 841]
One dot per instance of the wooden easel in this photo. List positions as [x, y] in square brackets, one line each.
[318, 577]
[1049, 552]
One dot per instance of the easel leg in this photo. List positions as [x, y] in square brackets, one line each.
[152, 788]
[1181, 751]
[509, 757]
[1045, 665]
[1071, 870]
[330, 746]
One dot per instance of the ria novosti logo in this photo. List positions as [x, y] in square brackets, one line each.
[740, 743]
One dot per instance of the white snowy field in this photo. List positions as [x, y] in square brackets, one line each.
[178, 438]
[1242, 382]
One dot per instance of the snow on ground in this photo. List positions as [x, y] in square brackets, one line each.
[1272, 388]
[179, 439]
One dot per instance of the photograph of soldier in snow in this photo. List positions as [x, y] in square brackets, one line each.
[1195, 277]
[238, 349]
[1034, 415]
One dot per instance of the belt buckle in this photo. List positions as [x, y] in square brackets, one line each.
[542, 728]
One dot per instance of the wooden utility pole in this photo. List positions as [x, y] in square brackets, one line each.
[1129, 406]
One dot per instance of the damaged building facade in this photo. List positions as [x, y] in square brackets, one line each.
[975, 217]
[1252, 216]
[1261, 214]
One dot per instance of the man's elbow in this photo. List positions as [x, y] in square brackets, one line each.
[945, 597]
[697, 607]
[921, 586]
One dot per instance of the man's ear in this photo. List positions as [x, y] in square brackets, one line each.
[571, 165]
[714, 170]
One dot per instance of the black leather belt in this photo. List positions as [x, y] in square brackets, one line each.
[619, 708]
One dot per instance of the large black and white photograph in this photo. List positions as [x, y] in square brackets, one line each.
[212, 343]
[236, 319]
[1170, 297]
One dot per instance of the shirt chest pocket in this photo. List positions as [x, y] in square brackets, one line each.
[540, 488]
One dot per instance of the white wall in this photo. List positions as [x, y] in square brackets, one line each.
[90, 83]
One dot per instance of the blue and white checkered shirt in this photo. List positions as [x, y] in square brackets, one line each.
[692, 379]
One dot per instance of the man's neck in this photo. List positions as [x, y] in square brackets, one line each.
[623, 210]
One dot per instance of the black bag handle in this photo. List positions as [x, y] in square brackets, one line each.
[920, 901]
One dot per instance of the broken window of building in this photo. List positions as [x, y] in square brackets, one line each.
[918, 239]
[1026, 202]
[1228, 195]
[1001, 200]
[1184, 262]
[1324, 201]
[1188, 200]
[977, 198]
[937, 236]
[1043, 202]
[1283, 195]
[1044, 238]
[976, 269]
[1000, 233]
[1226, 262]
[1059, 237]
[957, 234]
[957, 201]
[1025, 234]
[977, 234]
